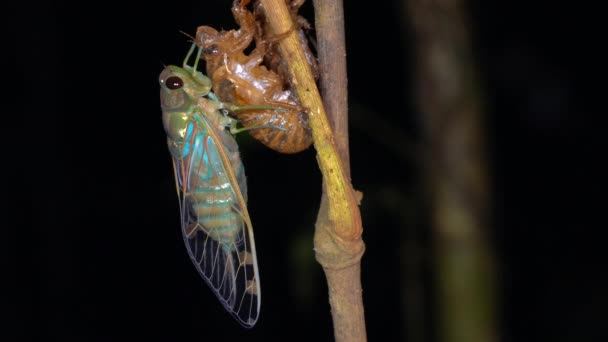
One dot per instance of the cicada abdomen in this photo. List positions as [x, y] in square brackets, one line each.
[245, 80]
[210, 181]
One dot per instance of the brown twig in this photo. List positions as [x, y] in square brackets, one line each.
[331, 50]
[338, 243]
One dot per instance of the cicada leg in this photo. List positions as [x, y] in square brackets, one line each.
[189, 55]
[225, 107]
[235, 130]
[237, 108]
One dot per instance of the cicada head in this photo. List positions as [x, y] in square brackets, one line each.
[180, 88]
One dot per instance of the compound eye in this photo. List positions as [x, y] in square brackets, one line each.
[174, 82]
[211, 50]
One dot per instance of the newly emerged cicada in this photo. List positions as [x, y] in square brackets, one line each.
[211, 187]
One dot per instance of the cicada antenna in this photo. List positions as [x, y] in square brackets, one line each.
[192, 39]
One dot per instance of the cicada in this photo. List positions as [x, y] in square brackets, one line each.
[211, 187]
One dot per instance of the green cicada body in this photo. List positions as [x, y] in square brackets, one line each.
[212, 191]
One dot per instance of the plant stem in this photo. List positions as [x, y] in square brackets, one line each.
[331, 50]
[338, 243]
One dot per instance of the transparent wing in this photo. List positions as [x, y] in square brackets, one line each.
[215, 223]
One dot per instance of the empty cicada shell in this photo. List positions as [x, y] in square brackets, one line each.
[245, 80]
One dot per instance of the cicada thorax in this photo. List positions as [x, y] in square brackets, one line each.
[244, 79]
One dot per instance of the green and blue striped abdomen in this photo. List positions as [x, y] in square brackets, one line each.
[211, 194]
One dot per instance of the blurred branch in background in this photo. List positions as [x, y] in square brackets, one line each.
[455, 171]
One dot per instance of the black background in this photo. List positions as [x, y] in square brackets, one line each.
[95, 237]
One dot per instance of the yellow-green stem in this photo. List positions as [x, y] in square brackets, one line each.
[343, 211]
[338, 243]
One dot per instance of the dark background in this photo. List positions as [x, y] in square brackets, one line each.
[94, 236]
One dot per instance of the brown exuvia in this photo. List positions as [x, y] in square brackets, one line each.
[257, 78]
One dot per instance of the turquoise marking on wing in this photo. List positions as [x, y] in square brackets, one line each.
[200, 163]
[187, 138]
[218, 165]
